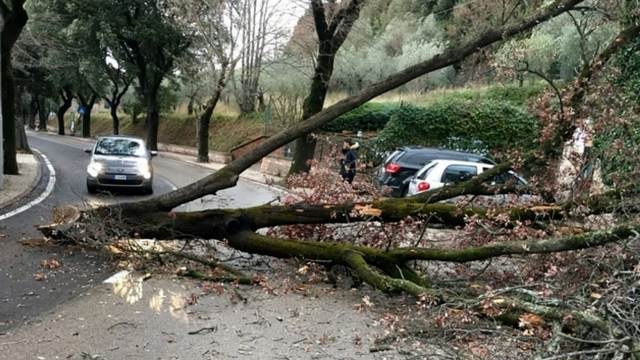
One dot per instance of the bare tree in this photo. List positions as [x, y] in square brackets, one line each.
[259, 35]
[217, 25]
[120, 81]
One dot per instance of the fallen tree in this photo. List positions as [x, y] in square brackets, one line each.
[228, 176]
[391, 269]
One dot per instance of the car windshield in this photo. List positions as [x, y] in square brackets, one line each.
[120, 147]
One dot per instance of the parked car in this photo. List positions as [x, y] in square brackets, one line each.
[120, 162]
[399, 167]
[439, 173]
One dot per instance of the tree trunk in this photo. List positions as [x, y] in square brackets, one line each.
[14, 21]
[331, 36]
[190, 105]
[67, 100]
[8, 115]
[205, 119]
[86, 117]
[114, 118]
[32, 112]
[43, 113]
[305, 146]
[153, 120]
[22, 143]
[203, 131]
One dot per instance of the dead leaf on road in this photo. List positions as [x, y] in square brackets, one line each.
[39, 276]
[50, 264]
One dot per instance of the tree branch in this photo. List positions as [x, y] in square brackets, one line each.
[228, 176]
[320, 20]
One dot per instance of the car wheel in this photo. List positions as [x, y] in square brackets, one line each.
[92, 189]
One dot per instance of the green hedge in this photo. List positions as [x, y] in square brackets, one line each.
[481, 126]
[367, 117]
[375, 116]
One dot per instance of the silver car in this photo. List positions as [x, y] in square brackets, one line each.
[120, 162]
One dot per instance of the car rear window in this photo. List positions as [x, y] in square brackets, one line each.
[423, 157]
[392, 156]
[458, 173]
[424, 172]
[416, 158]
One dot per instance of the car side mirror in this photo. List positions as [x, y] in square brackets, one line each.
[154, 153]
[88, 151]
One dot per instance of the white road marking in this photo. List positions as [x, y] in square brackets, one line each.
[166, 181]
[117, 277]
[47, 191]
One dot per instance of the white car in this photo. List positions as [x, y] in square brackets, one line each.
[439, 173]
[120, 162]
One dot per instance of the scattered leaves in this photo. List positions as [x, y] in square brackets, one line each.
[51, 264]
[530, 321]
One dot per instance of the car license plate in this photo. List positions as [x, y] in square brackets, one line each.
[121, 177]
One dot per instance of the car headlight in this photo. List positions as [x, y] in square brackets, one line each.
[94, 169]
[144, 169]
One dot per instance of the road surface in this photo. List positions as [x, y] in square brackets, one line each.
[21, 295]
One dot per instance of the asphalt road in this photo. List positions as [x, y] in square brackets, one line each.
[22, 296]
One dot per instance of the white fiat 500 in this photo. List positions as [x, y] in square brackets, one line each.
[120, 162]
[439, 173]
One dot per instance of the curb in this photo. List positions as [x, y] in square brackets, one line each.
[30, 190]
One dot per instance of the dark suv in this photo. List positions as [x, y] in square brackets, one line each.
[402, 164]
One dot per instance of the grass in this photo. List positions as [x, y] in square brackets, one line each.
[501, 92]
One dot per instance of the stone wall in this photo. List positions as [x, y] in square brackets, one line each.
[275, 166]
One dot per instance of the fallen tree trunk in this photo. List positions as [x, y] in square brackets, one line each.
[228, 176]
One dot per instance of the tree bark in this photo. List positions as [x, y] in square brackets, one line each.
[192, 101]
[43, 113]
[22, 143]
[86, 117]
[153, 120]
[205, 119]
[116, 98]
[67, 100]
[8, 114]
[331, 37]
[228, 176]
[15, 18]
[113, 110]
[32, 112]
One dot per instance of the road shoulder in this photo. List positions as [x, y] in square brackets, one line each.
[16, 188]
